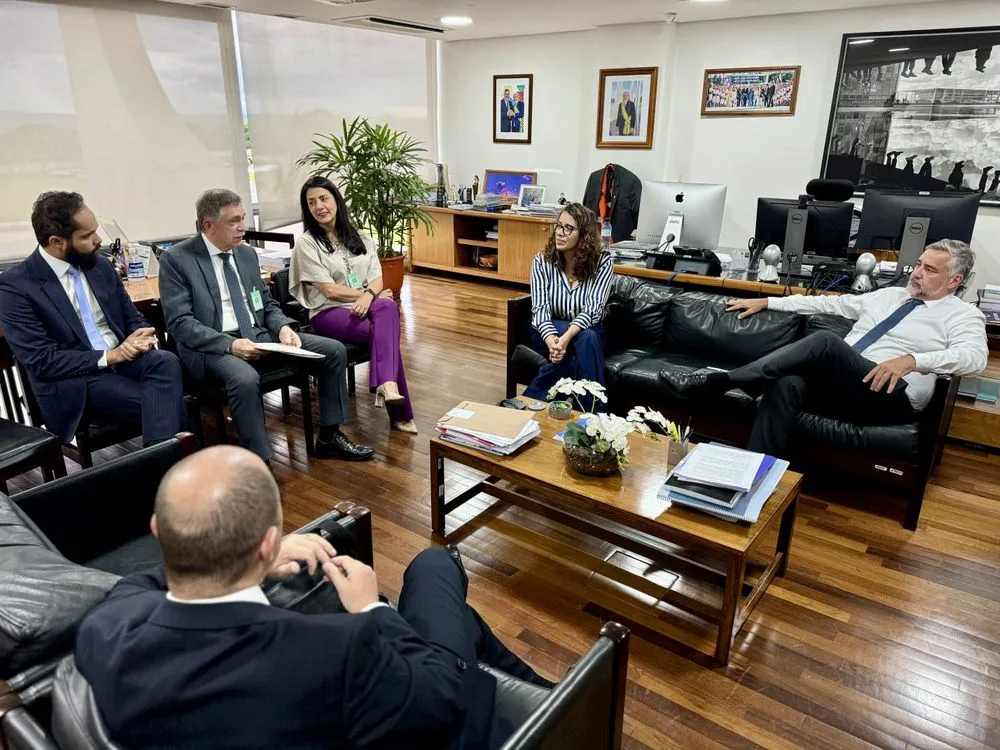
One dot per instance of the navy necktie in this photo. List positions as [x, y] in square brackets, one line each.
[880, 329]
[236, 298]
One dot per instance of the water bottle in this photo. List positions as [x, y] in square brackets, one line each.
[606, 234]
[136, 268]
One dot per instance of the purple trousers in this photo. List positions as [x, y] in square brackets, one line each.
[380, 330]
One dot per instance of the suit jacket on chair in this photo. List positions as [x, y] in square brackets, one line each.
[192, 302]
[47, 337]
[247, 675]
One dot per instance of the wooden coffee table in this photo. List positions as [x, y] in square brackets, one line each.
[624, 510]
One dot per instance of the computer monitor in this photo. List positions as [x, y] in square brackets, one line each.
[908, 220]
[702, 205]
[828, 226]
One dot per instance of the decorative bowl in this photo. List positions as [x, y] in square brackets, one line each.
[590, 462]
[560, 409]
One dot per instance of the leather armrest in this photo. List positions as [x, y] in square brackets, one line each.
[516, 699]
[20, 730]
[518, 320]
[119, 492]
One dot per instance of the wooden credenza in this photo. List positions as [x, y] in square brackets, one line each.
[459, 238]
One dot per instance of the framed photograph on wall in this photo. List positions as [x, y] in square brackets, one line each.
[735, 92]
[918, 110]
[512, 99]
[626, 108]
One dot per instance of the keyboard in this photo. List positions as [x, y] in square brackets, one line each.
[633, 246]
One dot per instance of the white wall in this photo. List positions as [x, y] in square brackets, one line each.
[777, 156]
[774, 156]
[565, 69]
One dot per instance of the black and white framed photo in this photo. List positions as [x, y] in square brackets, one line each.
[919, 111]
[512, 99]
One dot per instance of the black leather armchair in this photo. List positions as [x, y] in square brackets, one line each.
[651, 329]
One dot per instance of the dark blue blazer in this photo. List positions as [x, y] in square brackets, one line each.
[246, 675]
[47, 337]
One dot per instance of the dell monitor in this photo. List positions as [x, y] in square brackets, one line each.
[827, 228]
[908, 221]
[701, 205]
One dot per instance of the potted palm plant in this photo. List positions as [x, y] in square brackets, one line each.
[377, 169]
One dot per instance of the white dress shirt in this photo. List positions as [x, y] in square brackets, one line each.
[229, 321]
[250, 595]
[61, 269]
[945, 336]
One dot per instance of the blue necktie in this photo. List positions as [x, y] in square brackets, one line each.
[86, 314]
[880, 329]
[236, 298]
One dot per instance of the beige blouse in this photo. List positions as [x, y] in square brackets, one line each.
[311, 262]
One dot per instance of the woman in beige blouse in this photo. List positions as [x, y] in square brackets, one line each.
[336, 275]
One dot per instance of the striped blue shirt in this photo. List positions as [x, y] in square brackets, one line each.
[552, 299]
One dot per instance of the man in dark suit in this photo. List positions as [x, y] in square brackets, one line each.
[71, 324]
[218, 310]
[625, 122]
[191, 655]
[508, 113]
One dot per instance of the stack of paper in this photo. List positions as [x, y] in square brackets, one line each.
[729, 483]
[488, 428]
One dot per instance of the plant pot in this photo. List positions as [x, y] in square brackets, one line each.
[392, 274]
[590, 462]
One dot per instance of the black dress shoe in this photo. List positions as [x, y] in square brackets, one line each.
[686, 386]
[456, 558]
[341, 446]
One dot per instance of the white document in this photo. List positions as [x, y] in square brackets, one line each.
[720, 466]
[282, 349]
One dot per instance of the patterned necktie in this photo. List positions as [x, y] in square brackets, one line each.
[880, 329]
[86, 313]
[236, 298]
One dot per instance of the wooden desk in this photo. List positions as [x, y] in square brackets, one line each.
[143, 293]
[710, 283]
[459, 237]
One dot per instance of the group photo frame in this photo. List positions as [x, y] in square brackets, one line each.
[513, 95]
[626, 107]
[751, 92]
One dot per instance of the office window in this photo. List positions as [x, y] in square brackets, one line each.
[128, 108]
[301, 78]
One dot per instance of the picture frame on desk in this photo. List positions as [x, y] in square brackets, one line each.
[531, 195]
[507, 183]
[751, 92]
[513, 97]
[626, 108]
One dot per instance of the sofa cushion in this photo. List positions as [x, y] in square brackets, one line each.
[42, 595]
[648, 323]
[898, 441]
[698, 323]
[640, 379]
[615, 364]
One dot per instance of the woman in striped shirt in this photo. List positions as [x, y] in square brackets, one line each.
[570, 285]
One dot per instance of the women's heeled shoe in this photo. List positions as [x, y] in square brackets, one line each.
[409, 427]
[381, 398]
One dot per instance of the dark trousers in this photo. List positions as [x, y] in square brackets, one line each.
[147, 390]
[241, 380]
[820, 373]
[433, 602]
[584, 360]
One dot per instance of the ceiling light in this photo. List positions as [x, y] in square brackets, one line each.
[900, 49]
[455, 22]
[861, 41]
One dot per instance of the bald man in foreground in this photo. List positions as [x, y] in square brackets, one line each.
[191, 654]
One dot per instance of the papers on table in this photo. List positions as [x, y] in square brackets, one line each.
[283, 349]
[721, 466]
[746, 509]
[488, 428]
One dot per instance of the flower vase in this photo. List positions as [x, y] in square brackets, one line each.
[590, 462]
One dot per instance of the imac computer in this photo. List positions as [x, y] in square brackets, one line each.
[701, 205]
[826, 231]
[908, 221]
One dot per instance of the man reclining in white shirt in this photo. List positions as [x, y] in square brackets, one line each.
[881, 373]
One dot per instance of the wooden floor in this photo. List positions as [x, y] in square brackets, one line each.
[877, 637]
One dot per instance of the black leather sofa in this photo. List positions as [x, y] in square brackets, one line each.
[63, 546]
[651, 328]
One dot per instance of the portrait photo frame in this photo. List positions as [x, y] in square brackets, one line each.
[751, 92]
[513, 97]
[626, 107]
[917, 110]
[531, 195]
